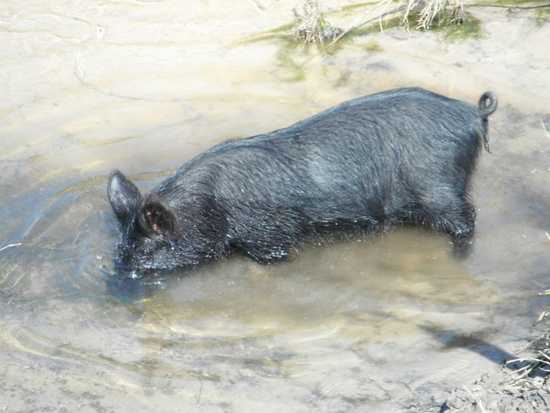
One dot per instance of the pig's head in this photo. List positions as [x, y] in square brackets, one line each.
[151, 239]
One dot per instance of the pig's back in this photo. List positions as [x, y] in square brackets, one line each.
[367, 148]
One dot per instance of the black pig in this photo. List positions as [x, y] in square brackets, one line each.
[400, 156]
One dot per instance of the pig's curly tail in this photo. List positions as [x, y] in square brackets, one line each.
[487, 104]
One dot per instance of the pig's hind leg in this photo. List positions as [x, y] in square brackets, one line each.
[454, 215]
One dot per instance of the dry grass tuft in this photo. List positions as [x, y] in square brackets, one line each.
[427, 12]
[448, 16]
[312, 27]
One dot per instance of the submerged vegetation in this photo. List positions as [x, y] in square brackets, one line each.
[469, 28]
[373, 47]
[542, 16]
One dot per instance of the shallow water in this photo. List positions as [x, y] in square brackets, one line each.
[378, 324]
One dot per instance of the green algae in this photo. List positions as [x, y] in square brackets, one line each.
[542, 16]
[373, 47]
[469, 28]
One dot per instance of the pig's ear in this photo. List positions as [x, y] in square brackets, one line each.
[123, 196]
[155, 218]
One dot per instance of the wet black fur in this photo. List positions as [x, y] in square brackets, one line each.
[401, 156]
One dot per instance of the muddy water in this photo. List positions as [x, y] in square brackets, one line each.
[380, 324]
